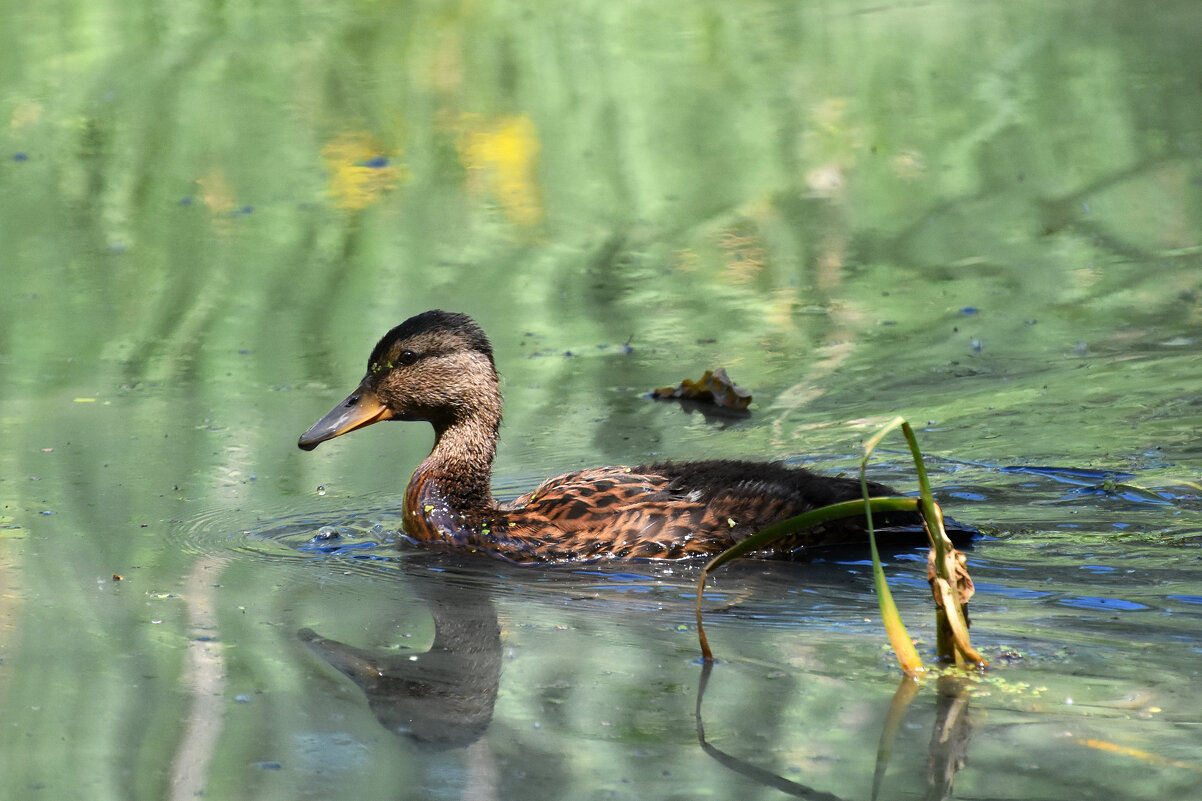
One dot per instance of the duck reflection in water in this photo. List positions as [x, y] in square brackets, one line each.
[444, 698]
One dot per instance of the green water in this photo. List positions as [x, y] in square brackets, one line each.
[984, 216]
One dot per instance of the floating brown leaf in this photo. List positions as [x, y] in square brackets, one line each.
[714, 387]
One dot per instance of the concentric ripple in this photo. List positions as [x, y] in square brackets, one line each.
[358, 534]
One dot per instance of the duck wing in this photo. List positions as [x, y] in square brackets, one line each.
[615, 512]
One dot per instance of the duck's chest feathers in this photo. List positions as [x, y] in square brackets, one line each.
[432, 514]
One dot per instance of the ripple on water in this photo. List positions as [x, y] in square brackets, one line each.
[352, 534]
[1027, 567]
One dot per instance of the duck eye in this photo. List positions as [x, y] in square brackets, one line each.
[406, 357]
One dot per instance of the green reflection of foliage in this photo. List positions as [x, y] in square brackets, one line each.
[723, 183]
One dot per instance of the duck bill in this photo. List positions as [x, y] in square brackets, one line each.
[361, 408]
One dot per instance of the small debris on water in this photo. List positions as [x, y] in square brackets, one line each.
[713, 387]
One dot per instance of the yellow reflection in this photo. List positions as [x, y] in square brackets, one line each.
[779, 311]
[26, 114]
[215, 191]
[744, 255]
[361, 171]
[1136, 753]
[500, 155]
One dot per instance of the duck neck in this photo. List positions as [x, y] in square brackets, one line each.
[461, 462]
[452, 486]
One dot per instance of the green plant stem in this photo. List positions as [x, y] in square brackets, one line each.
[774, 532]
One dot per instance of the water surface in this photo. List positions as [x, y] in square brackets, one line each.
[982, 216]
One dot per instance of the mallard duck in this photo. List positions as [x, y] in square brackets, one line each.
[438, 367]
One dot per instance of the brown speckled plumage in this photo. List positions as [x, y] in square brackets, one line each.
[438, 367]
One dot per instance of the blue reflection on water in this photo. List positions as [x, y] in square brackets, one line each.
[1068, 475]
[1187, 599]
[964, 495]
[1088, 602]
[339, 548]
[985, 588]
[611, 576]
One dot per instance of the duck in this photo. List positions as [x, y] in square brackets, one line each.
[438, 367]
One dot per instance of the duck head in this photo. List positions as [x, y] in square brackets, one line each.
[437, 366]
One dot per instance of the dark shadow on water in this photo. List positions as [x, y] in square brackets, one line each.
[947, 752]
[442, 698]
[742, 767]
[722, 416]
[954, 723]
